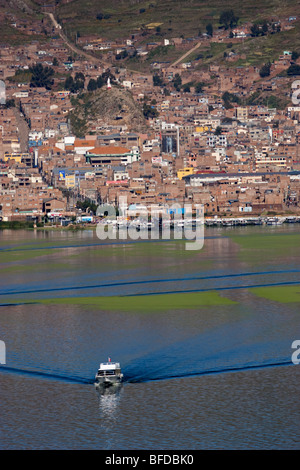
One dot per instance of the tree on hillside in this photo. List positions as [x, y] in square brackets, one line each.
[157, 80]
[199, 87]
[79, 76]
[69, 81]
[209, 29]
[8, 104]
[255, 30]
[74, 85]
[177, 82]
[259, 29]
[293, 70]
[41, 76]
[150, 111]
[265, 70]
[229, 98]
[228, 19]
[265, 28]
[92, 85]
[86, 205]
[122, 55]
[108, 75]
[100, 82]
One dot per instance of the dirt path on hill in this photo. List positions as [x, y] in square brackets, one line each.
[186, 54]
[23, 130]
[71, 45]
[97, 61]
[80, 51]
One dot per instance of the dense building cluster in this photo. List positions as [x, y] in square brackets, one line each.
[202, 142]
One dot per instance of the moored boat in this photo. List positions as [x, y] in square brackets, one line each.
[275, 220]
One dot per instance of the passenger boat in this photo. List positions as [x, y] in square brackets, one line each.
[275, 220]
[109, 373]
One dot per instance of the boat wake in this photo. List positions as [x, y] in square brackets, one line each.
[46, 375]
[136, 377]
[143, 378]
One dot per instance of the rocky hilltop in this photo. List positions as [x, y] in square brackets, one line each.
[114, 106]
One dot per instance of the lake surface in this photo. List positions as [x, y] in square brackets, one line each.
[204, 340]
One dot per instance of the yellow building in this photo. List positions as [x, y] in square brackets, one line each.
[25, 158]
[242, 113]
[202, 129]
[70, 181]
[12, 156]
[184, 172]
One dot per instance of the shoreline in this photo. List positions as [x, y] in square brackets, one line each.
[212, 221]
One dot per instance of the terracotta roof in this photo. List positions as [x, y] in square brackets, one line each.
[44, 148]
[83, 143]
[109, 150]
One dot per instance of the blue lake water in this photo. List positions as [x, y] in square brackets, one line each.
[215, 377]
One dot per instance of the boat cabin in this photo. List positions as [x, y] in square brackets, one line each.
[109, 368]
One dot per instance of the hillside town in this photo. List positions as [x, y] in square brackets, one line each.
[201, 141]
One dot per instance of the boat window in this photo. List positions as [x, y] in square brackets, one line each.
[106, 372]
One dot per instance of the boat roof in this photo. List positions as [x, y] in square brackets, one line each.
[109, 365]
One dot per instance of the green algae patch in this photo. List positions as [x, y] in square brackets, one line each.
[257, 248]
[282, 294]
[255, 241]
[23, 255]
[150, 303]
[166, 256]
[36, 267]
[139, 248]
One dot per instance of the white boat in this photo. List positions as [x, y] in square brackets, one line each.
[292, 219]
[275, 220]
[109, 373]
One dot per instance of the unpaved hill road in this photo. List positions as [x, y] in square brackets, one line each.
[23, 130]
[80, 51]
[186, 54]
[72, 46]
[93, 59]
